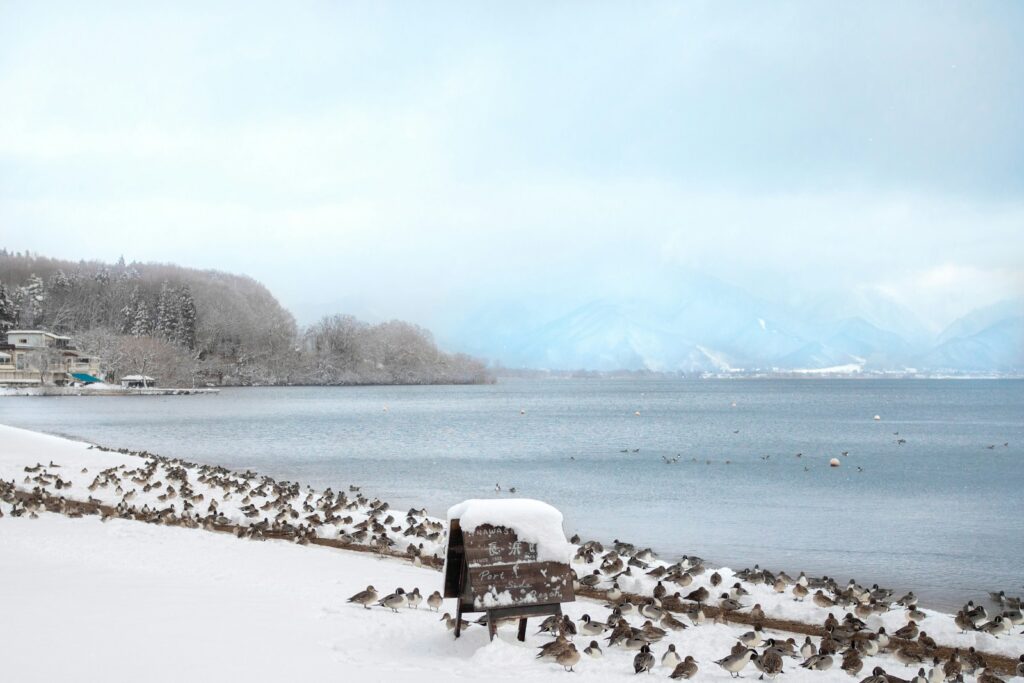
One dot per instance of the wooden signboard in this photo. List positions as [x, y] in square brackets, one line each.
[492, 571]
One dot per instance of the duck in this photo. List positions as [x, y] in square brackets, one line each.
[908, 632]
[593, 650]
[590, 627]
[414, 599]
[757, 613]
[822, 600]
[395, 601]
[736, 662]
[997, 627]
[686, 669]
[449, 622]
[907, 656]
[752, 638]
[698, 596]
[643, 661]
[434, 601]
[669, 621]
[365, 598]
[852, 663]
[769, 664]
[671, 658]
[652, 611]
[963, 622]
[554, 648]
[973, 661]
[568, 658]
[818, 662]
[952, 668]
[987, 676]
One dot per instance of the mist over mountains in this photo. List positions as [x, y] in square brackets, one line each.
[698, 324]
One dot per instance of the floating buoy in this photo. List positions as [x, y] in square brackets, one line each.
[637, 413]
[834, 462]
[878, 417]
[385, 409]
[522, 411]
[734, 404]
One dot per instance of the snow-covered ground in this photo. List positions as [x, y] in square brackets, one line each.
[119, 600]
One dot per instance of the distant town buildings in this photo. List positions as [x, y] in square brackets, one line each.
[38, 357]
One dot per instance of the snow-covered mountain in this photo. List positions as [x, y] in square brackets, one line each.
[690, 322]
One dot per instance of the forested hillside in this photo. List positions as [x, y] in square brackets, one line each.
[188, 326]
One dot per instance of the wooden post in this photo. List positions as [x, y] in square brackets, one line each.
[522, 629]
[492, 625]
[458, 619]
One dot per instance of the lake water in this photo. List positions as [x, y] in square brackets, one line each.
[941, 514]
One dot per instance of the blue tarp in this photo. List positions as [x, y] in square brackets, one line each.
[82, 377]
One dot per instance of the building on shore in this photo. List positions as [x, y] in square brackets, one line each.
[137, 382]
[41, 358]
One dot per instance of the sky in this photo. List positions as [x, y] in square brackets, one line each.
[418, 160]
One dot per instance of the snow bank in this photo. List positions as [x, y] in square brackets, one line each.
[532, 520]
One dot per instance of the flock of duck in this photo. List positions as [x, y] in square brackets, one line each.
[640, 623]
[643, 595]
[176, 492]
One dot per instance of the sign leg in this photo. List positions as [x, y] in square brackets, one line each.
[458, 620]
[492, 625]
[522, 629]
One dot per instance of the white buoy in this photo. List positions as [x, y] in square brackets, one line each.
[834, 462]
[522, 411]
[637, 413]
[878, 417]
[734, 404]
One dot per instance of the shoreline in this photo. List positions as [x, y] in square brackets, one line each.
[940, 597]
[431, 544]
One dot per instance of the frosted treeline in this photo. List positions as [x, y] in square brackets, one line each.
[186, 326]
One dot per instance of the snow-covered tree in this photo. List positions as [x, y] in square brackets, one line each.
[8, 311]
[30, 298]
[186, 329]
[141, 323]
[167, 314]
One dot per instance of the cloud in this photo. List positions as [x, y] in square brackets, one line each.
[414, 160]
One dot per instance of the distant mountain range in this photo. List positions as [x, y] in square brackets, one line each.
[698, 324]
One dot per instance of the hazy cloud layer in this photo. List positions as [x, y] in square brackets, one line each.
[412, 160]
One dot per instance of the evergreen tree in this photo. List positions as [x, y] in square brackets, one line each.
[186, 319]
[167, 314]
[30, 298]
[127, 311]
[141, 323]
[8, 311]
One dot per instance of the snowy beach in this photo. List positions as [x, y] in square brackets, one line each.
[109, 587]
